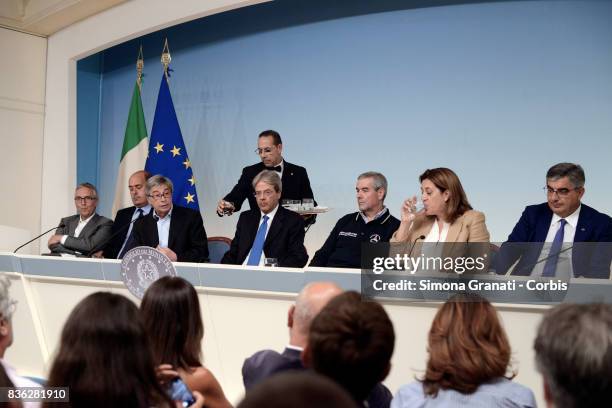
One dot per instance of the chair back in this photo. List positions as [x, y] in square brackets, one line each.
[217, 247]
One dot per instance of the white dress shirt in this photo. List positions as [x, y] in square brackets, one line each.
[79, 228]
[163, 228]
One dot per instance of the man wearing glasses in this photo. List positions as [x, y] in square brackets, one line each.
[296, 184]
[82, 234]
[268, 231]
[175, 231]
[575, 234]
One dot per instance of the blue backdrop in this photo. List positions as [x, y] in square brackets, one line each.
[497, 91]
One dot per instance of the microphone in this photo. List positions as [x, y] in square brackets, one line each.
[551, 256]
[104, 243]
[38, 236]
[414, 243]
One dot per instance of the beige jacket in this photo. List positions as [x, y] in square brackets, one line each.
[468, 228]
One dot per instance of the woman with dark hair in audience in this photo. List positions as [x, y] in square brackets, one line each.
[171, 314]
[469, 361]
[446, 216]
[104, 357]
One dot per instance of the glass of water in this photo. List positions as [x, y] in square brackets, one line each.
[271, 262]
[307, 204]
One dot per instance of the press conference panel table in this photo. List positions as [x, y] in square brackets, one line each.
[244, 310]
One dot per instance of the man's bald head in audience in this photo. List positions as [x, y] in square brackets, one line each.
[309, 302]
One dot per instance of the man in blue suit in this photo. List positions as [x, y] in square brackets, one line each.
[563, 219]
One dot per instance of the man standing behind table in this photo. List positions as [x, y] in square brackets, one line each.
[85, 232]
[373, 223]
[296, 184]
[175, 231]
[269, 230]
[123, 225]
[562, 219]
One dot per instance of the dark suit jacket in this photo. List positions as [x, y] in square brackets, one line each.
[121, 228]
[92, 237]
[266, 363]
[588, 260]
[187, 237]
[296, 185]
[285, 239]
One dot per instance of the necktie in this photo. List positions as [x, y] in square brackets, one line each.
[128, 240]
[277, 168]
[550, 267]
[258, 244]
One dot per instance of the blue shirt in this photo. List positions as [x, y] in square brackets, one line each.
[501, 393]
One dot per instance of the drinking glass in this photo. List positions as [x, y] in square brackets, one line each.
[271, 262]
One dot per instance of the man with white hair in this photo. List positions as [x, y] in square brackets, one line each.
[7, 308]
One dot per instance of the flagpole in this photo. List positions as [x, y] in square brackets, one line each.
[139, 68]
[166, 58]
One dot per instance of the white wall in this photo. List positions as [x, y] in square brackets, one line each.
[22, 112]
[118, 24]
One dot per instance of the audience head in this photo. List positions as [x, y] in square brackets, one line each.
[467, 346]
[297, 390]
[309, 302]
[351, 341]
[170, 311]
[7, 308]
[270, 148]
[86, 199]
[371, 191]
[104, 356]
[443, 195]
[564, 188]
[159, 193]
[573, 351]
[137, 185]
[268, 187]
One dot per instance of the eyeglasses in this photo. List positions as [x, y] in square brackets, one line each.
[561, 192]
[158, 196]
[86, 198]
[265, 193]
[264, 150]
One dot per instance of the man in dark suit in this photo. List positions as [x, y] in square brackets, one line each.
[176, 232]
[84, 233]
[563, 219]
[269, 230]
[122, 226]
[296, 185]
[265, 363]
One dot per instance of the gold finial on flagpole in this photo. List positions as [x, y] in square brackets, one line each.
[139, 67]
[166, 58]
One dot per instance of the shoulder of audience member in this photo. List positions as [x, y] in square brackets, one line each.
[203, 380]
[409, 395]
[510, 393]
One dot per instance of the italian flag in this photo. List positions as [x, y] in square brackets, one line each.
[134, 152]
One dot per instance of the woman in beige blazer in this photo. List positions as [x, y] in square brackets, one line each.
[447, 217]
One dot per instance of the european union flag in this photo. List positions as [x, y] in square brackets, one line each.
[167, 152]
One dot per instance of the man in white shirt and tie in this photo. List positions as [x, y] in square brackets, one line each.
[83, 233]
